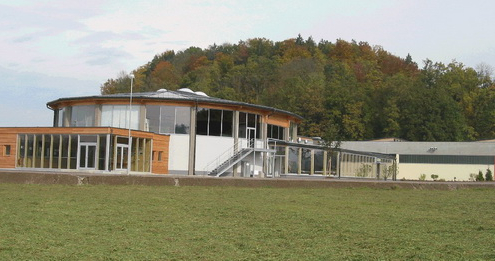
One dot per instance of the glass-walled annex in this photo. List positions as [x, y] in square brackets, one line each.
[104, 152]
[301, 160]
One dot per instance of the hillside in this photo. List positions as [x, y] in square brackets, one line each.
[344, 90]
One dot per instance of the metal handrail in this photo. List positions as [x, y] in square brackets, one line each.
[227, 155]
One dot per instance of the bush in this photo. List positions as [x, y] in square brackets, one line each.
[480, 176]
[422, 177]
[489, 175]
[434, 177]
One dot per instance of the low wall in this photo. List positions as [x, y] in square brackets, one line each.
[23, 177]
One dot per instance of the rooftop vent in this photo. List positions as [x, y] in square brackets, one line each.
[185, 90]
[162, 90]
[201, 93]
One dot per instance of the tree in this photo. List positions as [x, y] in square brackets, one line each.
[480, 176]
[488, 175]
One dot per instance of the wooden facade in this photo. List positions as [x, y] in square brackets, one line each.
[145, 145]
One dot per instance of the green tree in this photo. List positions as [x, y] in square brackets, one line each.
[489, 175]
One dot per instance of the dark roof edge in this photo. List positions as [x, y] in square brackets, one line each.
[199, 99]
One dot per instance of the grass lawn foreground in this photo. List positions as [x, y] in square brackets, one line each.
[58, 222]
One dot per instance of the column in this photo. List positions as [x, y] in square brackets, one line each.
[192, 143]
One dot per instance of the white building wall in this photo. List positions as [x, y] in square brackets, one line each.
[209, 148]
[178, 153]
[444, 171]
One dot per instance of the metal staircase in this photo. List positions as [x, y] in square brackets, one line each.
[228, 159]
[230, 162]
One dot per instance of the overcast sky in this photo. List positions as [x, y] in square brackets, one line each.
[63, 48]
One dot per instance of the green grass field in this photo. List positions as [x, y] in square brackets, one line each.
[57, 222]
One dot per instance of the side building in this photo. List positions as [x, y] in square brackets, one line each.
[447, 160]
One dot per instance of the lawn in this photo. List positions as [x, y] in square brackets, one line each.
[57, 222]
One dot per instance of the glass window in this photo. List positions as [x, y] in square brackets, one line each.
[293, 160]
[83, 116]
[275, 132]
[215, 126]
[167, 119]
[202, 121]
[319, 161]
[242, 124]
[227, 122]
[306, 161]
[7, 150]
[116, 116]
[153, 118]
[182, 120]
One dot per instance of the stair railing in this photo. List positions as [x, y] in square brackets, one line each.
[227, 155]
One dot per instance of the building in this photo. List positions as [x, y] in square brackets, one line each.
[448, 160]
[164, 132]
[189, 133]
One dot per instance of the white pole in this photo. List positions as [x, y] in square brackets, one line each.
[129, 150]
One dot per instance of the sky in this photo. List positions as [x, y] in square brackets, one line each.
[65, 48]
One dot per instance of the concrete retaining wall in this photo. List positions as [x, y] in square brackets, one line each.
[23, 177]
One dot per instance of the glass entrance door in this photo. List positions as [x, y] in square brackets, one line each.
[251, 137]
[87, 155]
[122, 156]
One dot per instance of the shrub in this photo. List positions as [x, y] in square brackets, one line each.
[434, 177]
[480, 176]
[422, 177]
[488, 175]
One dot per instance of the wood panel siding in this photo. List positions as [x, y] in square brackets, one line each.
[161, 144]
[8, 139]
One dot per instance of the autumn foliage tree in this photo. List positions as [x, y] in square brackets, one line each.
[344, 90]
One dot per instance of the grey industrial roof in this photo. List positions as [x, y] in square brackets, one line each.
[181, 95]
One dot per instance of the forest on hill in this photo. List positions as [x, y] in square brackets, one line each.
[344, 90]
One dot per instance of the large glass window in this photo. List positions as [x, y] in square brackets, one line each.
[202, 121]
[182, 120]
[319, 161]
[117, 116]
[249, 120]
[293, 160]
[215, 128]
[83, 116]
[214, 122]
[168, 119]
[152, 118]
[306, 161]
[227, 123]
[275, 132]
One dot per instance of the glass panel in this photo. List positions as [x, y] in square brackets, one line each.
[22, 150]
[73, 151]
[319, 161]
[82, 155]
[83, 116]
[215, 126]
[242, 124]
[88, 138]
[102, 150]
[46, 152]
[202, 121]
[306, 161]
[167, 119]
[227, 122]
[293, 160]
[153, 118]
[251, 120]
[116, 116]
[65, 151]
[106, 115]
[91, 156]
[182, 120]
